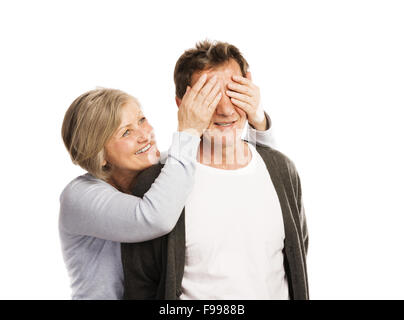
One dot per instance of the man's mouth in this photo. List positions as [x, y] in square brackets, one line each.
[144, 149]
[224, 124]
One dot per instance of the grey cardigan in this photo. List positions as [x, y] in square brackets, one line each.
[154, 269]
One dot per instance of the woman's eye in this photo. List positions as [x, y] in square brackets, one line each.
[125, 133]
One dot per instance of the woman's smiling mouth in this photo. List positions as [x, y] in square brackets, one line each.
[144, 149]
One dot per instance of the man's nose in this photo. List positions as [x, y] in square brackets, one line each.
[225, 107]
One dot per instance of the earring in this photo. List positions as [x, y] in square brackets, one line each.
[106, 166]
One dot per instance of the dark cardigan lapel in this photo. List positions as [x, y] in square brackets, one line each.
[282, 173]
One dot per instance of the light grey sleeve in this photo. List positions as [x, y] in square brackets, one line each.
[265, 138]
[90, 206]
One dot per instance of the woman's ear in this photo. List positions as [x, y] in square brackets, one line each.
[248, 75]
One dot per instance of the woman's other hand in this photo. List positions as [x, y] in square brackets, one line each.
[198, 104]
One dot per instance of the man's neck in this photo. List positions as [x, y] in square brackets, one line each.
[226, 157]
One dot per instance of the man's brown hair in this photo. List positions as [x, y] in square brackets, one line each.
[206, 54]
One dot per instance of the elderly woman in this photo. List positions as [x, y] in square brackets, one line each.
[107, 134]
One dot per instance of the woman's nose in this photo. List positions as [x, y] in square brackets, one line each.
[142, 138]
[144, 134]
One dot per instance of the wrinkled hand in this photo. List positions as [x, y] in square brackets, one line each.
[246, 95]
[198, 105]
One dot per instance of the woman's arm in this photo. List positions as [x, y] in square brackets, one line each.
[92, 207]
[265, 137]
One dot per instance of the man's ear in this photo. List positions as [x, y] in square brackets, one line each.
[248, 75]
[178, 101]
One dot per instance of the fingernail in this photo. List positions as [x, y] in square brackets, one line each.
[204, 76]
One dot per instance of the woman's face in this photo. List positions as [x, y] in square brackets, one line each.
[132, 147]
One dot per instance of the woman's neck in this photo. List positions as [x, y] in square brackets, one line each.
[123, 180]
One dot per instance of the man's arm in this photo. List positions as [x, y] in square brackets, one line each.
[143, 262]
[142, 269]
[303, 223]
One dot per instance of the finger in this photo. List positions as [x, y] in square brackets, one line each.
[186, 94]
[207, 88]
[215, 102]
[212, 94]
[239, 96]
[242, 105]
[240, 88]
[241, 80]
[197, 86]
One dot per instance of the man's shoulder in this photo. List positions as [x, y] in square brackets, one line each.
[145, 179]
[275, 157]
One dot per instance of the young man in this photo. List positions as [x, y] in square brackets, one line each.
[244, 233]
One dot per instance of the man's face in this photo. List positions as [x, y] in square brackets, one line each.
[228, 120]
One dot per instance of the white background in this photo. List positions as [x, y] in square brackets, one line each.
[331, 75]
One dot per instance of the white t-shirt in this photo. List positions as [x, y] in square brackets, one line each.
[234, 235]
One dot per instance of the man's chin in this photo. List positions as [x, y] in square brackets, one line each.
[227, 137]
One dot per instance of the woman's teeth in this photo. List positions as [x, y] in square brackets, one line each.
[223, 124]
[144, 149]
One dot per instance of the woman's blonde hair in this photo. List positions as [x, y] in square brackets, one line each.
[89, 123]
